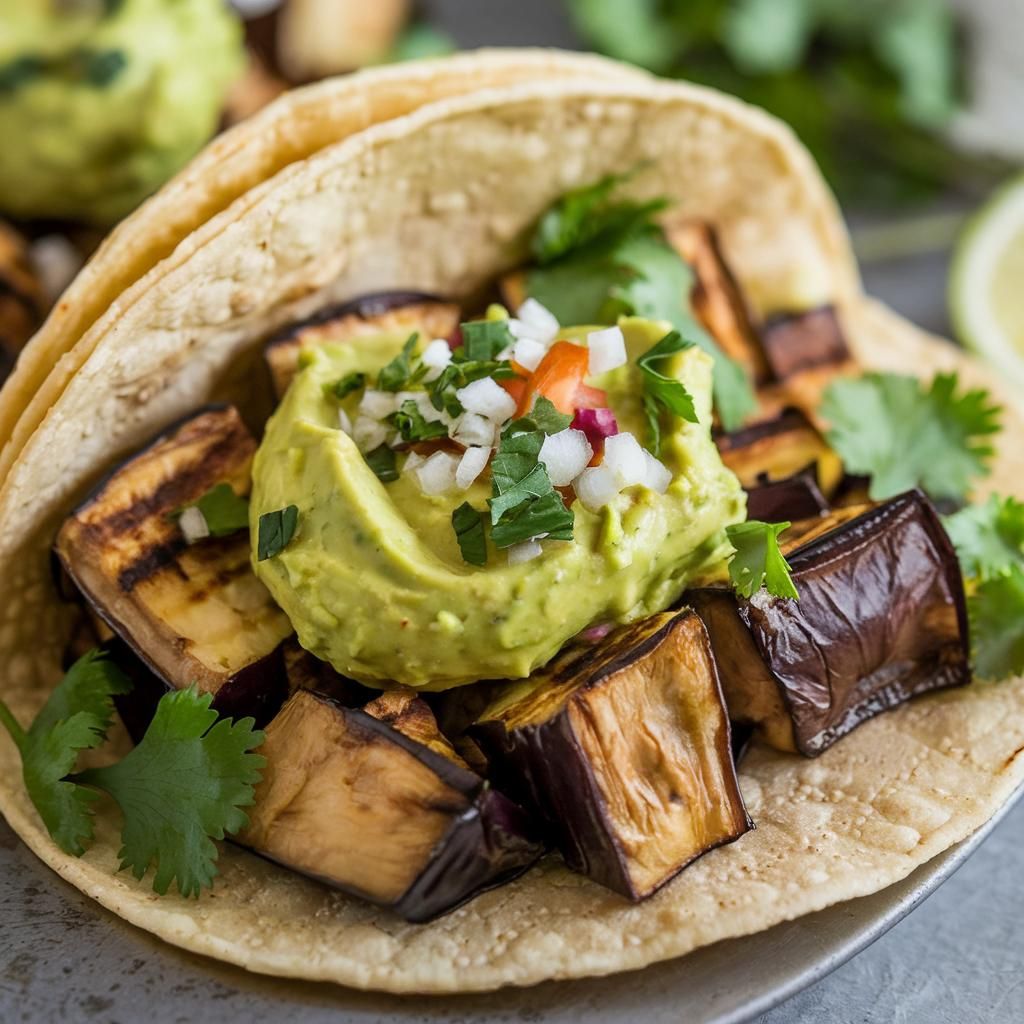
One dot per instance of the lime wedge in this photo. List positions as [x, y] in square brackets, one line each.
[986, 288]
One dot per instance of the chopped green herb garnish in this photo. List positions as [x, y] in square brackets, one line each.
[224, 511]
[662, 392]
[996, 610]
[103, 66]
[758, 560]
[410, 422]
[482, 340]
[343, 387]
[19, 71]
[276, 531]
[903, 434]
[543, 416]
[382, 461]
[399, 373]
[542, 516]
[623, 265]
[460, 372]
[468, 524]
[181, 787]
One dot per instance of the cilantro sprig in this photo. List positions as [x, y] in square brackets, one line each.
[904, 434]
[182, 787]
[599, 257]
[412, 425]
[341, 388]
[989, 538]
[403, 371]
[661, 392]
[225, 511]
[276, 530]
[758, 560]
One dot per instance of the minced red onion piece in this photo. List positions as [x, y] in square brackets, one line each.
[597, 424]
[595, 634]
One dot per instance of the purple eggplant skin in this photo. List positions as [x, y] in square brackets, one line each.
[794, 498]
[793, 342]
[881, 619]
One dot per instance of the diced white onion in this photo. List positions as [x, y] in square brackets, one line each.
[517, 328]
[565, 455]
[525, 552]
[528, 353]
[471, 466]
[193, 525]
[473, 429]
[437, 474]
[506, 353]
[540, 320]
[596, 487]
[412, 462]
[423, 403]
[369, 434]
[488, 398]
[626, 460]
[659, 476]
[344, 422]
[607, 350]
[375, 405]
[436, 356]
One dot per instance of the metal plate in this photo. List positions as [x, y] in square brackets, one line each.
[64, 958]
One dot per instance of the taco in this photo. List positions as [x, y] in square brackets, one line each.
[432, 456]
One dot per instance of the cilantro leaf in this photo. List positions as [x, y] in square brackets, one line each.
[410, 422]
[996, 610]
[76, 717]
[903, 435]
[468, 524]
[482, 340]
[276, 530]
[224, 511]
[344, 386]
[758, 561]
[398, 374]
[544, 416]
[546, 515]
[662, 391]
[989, 538]
[460, 372]
[535, 484]
[382, 461]
[181, 787]
[588, 215]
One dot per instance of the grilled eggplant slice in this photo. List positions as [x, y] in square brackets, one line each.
[385, 313]
[350, 800]
[881, 618]
[623, 749]
[796, 342]
[193, 614]
[796, 497]
[777, 448]
[717, 299]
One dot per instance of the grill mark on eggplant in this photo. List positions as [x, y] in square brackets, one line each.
[153, 561]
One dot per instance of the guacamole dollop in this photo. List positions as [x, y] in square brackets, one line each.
[374, 580]
[102, 100]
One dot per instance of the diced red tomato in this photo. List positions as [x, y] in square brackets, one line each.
[515, 386]
[559, 378]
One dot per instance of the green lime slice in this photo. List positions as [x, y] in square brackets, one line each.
[986, 288]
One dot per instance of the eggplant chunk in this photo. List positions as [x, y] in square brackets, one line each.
[623, 749]
[385, 313]
[795, 342]
[881, 618]
[795, 497]
[778, 448]
[351, 801]
[193, 613]
[717, 299]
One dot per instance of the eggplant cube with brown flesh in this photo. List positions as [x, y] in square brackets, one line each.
[880, 619]
[384, 313]
[193, 613]
[623, 749]
[364, 801]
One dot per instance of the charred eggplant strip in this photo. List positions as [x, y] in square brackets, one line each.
[386, 313]
[795, 342]
[881, 618]
[795, 497]
[717, 299]
[349, 800]
[623, 749]
[778, 448]
[193, 613]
